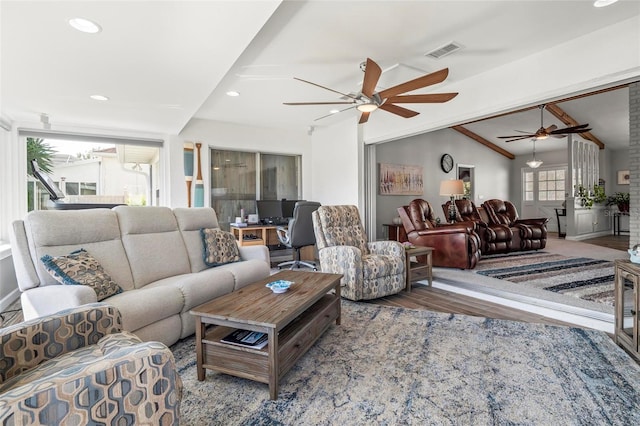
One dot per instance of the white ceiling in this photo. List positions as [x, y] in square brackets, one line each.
[163, 63]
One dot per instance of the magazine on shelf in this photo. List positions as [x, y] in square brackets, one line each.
[247, 338]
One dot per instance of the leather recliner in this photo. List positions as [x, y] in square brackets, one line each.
[494, 238]
[528, 234]
[455, 245]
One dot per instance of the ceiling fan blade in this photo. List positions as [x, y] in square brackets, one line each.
[573, 129]
[326, 88]
[551, 128]
[520, 138]
[530, 135]
[398, 110]
[566, 132]
[318, 103]
[422, 99]
[333, 113]
[418, 83]
[364, 117]
[372, 74]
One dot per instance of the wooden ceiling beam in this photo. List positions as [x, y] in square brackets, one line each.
[561, 115]
[468, 133]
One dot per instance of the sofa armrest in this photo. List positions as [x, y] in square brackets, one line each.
[393, 248]
[134, 385]
[27, 344]
[535, 222]
[50, 299]
[345, 260]
[255, 252]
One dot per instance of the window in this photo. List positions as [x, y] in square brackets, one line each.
[544, 184]
[93, 172]
[238, 179]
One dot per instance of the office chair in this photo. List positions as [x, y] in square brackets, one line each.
[299, 233]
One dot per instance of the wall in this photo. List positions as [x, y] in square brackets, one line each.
[216, 134]
[337, 165]
[492, 179]
[619, 160]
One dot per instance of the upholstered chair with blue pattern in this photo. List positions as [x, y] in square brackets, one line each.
[370, 269]
[77, 367]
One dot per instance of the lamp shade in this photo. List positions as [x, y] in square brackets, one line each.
[534, 164]
[451, 187]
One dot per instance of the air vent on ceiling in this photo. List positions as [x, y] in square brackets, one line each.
[445, 50]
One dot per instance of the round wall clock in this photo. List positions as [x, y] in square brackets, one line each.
[446, 162]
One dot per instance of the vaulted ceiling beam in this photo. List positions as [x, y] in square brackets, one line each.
[468, 133]
[561, 115]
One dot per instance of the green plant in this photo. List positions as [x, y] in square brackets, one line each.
[620, 199]
[588, 198]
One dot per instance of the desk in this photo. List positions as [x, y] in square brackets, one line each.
[266, 236]
[616, 222]
[412, 268]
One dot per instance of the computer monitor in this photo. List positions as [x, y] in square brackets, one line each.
[288, 206]
[54, 192]
[269, 209]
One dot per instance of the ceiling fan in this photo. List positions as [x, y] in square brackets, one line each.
[368, 100]
[551, 131]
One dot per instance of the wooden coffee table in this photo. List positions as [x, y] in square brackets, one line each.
[293, 321]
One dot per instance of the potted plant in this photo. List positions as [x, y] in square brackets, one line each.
[588, 198]
[620, 199]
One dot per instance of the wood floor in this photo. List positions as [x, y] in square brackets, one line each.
[434, 299]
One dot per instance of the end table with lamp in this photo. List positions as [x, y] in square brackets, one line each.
[452, 188]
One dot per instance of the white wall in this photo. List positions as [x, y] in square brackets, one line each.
[492, 170]
[216, 134]
[337, 165]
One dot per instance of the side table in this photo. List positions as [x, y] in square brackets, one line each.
[413, 267]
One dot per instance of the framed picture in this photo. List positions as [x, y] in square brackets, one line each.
[623, 177]
[398, 179]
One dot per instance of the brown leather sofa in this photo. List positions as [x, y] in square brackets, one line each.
[494, 238]
[528, 234]
[455, 246]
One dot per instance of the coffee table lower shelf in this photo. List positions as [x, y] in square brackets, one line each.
[291, 343]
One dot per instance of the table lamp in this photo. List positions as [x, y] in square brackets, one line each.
[452, 188]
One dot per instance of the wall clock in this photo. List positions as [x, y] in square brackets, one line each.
[446, 162]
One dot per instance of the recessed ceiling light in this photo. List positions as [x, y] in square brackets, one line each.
[233, 93]
[99, 98]
[334, 111]
[85, 25]
[603, 3]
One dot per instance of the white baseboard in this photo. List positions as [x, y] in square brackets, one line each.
[587, 236]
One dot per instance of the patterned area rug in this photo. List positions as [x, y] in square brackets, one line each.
[390, 366]
[581, 277]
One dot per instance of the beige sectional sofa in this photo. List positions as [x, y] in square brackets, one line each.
[155, 254]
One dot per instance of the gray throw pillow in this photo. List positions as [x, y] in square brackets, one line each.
[80, 268]
[220, 247]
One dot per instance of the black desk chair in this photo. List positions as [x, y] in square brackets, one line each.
[299, 233]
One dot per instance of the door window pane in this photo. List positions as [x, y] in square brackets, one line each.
[233, 184]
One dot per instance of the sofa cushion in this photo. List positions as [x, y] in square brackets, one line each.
[59, 232]
[190, 222]
[153, 243]
[142, 307]
[220, 247]
[80, 268]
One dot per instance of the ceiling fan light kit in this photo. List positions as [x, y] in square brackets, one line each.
[368, 100]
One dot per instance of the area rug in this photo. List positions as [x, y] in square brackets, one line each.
[393, 366]
[581, 277]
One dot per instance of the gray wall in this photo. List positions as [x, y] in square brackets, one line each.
[492, 170]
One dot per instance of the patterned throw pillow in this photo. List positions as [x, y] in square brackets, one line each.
[80, 268]
[220, 247]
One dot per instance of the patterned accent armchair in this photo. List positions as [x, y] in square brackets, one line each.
[528, 234]
[494, 238]
[370, 269]
[77, 367]
[455, 245]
